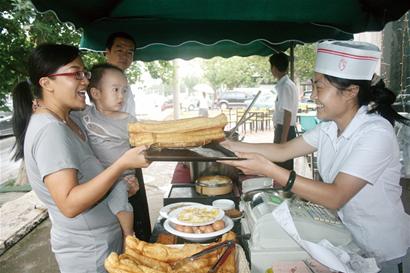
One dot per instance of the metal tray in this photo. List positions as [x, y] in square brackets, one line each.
[210, 152]
[183, 155]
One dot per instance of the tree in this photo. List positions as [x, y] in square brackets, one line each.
[236, 71]
[250, 71]
[22, 28]
[304, 61]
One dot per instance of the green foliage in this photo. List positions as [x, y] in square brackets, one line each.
[251, 71]
[305, 56]
[236, 71]
[163, 70]
[21, 30]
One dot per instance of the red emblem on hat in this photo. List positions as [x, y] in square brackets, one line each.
[342, 64]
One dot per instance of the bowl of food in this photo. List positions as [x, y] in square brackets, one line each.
[165, 211]
[199, 233]
[195, 215]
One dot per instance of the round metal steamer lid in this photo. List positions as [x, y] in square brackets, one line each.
[214, 181]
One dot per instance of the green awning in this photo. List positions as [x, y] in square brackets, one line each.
[167, 29]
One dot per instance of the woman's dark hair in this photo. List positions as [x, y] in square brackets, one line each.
[378, 97]
[97, 72]
[44, 60]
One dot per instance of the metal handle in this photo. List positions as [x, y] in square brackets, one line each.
[222, 259]
[212, 248]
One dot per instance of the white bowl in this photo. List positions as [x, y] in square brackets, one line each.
[223, 204]
[198, 237]
[165, 211]
[174, 215]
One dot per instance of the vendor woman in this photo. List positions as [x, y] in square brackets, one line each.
[357, 153]
[61, 167]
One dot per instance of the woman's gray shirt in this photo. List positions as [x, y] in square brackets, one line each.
[81, 243]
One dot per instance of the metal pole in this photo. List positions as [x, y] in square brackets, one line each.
[292, 61]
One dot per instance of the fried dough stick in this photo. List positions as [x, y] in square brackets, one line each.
[176, 140]
[162, 252]
[147, 261]
[179, 125]
[125, 264]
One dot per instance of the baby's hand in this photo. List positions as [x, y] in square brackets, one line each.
[133, 186]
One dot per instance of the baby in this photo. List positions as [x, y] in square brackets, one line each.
[107, 132]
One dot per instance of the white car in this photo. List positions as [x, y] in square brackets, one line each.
[6, 127]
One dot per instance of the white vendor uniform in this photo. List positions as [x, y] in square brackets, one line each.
[129, 102]
[367, 149]
[287, 99]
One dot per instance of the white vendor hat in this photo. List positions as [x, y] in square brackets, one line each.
[347, 59]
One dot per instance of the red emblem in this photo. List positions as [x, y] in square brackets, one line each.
[342, 64]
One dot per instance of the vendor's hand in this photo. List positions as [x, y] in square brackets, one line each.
[229, 144]
[134, 158]
[133, 186]
[254, 164]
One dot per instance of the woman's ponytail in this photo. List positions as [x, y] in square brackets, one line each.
[22, 107]
[381, 100]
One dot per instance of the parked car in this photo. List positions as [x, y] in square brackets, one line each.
[232, 99]
[402, 103]
[266, 100]
[190, 103]
[6, 128]
[169, 103]
[306, 104]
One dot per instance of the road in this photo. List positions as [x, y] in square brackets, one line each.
[8, 167]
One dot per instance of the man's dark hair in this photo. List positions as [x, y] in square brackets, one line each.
[111, 38]
[280, 61]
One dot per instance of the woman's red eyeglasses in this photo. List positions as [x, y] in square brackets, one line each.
[78, 75]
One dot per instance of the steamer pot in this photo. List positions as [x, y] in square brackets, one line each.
[213, 185]
[198, 169]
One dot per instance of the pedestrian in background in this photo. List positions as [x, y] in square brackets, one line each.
[203, 105]
[286, 105]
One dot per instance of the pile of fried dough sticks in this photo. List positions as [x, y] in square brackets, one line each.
[143, 257]
[180, 133]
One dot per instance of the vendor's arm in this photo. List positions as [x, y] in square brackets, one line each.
[332, 196]
[274, 152]
[73, 198]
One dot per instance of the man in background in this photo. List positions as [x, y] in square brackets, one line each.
[120, 49]
[286, 105]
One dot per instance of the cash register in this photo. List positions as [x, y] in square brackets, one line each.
[269, 242]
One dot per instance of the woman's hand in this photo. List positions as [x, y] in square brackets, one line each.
[254, 164]
[133, 186]
[134, 158]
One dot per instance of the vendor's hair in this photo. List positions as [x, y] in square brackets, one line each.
[44, 60]
[97, 73]
[280, 61]
[111, 39]
[377, 97]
